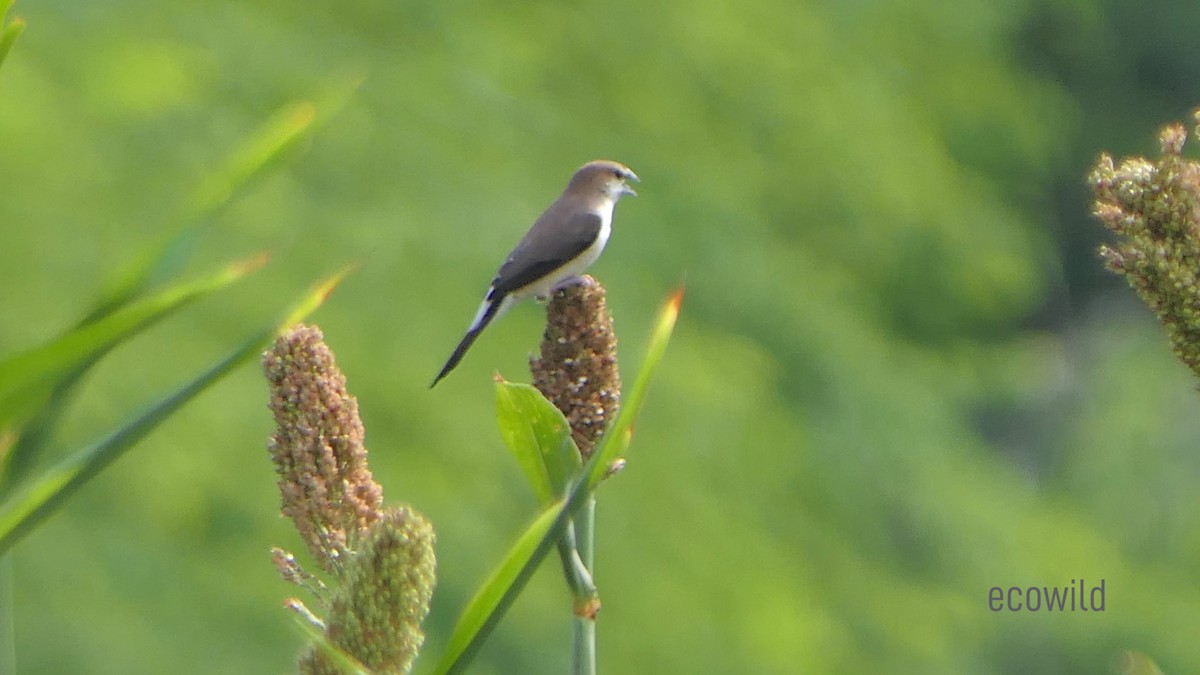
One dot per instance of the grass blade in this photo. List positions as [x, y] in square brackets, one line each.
[253, 158]
[28, 380]
[46, 495]
[9, 32]
[346, 664]
[616, 440]
[493, 599]
[261, 152]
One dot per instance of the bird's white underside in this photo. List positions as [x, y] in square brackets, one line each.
[551, 282]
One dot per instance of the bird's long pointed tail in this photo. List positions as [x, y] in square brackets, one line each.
[488, 312]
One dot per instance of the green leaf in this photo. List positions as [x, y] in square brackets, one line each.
[493, 599]
[1137, 663]
[338, 658]
[261, 151]
[270, 145]
[616, 440]
[29, 379]
[46, 495]
[9, 33]
[501, 589]
[255, 157]
[539, 437]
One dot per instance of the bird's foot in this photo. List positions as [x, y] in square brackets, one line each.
[584, 280]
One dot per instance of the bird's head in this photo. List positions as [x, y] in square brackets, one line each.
[602, 178]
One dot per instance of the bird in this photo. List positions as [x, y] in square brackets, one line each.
[560, 245]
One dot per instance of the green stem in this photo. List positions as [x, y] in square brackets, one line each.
[583, 628]
[585, 525]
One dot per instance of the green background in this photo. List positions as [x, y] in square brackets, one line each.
[900, 378]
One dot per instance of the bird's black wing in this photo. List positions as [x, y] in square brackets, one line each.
[544, 250]
[546, 247]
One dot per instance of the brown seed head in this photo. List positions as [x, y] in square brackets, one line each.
[325, 485]
[577, 369]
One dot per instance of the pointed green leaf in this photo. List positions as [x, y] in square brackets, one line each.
[260, 152]
[493, 599]
[8, 35]
[500, 590]
[28, 379]
[44, 496]
[345, 663]
[539, 437]
[1137, 663]
[616, 440]
[314, 298]
[266, 148]
[253, 158]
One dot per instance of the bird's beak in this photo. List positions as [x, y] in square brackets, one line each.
[625, 189]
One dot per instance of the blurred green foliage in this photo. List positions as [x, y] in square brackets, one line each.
[900, 378]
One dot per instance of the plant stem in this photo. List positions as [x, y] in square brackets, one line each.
[583, 628]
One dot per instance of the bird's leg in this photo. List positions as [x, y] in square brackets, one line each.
[585, 280]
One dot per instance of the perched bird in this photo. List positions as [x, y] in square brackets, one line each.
[563, 242]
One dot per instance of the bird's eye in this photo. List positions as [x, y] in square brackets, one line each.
[617, 173]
